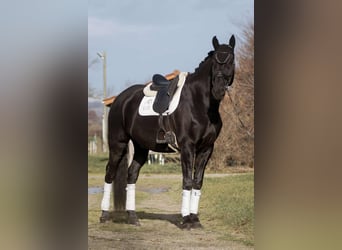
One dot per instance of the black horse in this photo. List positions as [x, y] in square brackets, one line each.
[196, 124]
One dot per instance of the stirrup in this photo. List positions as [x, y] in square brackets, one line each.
[161, 136]
[170, 137]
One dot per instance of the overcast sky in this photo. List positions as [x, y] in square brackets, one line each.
[145, 37]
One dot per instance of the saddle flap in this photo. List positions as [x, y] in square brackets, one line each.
[162, 101]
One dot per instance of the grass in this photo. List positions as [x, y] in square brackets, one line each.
[229, 204]
[97, 165]
[226, 206]
[170, 168]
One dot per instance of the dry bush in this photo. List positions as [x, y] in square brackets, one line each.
[235, 145]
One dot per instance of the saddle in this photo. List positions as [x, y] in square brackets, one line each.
[163, 88]
[165, 91]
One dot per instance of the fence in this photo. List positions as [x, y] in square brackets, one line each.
[95, 147]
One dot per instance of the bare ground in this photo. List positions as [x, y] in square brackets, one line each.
[159, 215]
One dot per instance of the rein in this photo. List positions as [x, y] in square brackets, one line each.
[237, 115]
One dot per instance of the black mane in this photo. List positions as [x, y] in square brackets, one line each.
[210, 54]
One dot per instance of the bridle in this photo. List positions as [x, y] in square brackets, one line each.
[225, 60]
[219, 73]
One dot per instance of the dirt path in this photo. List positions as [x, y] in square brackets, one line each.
[159, 217]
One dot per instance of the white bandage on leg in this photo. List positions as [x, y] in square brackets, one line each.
[105, 204]
[185, 202]
[130, 197]
[194, 200]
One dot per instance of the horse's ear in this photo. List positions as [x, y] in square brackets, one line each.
[232, 41]
[215, 43]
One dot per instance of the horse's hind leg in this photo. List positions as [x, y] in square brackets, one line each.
[139, 159]
[117, 151]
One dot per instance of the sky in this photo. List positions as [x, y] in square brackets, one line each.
[145, 37]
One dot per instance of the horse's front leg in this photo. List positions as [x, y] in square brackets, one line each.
[187, 160]
[201, 161]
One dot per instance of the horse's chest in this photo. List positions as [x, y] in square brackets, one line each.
[211, 133]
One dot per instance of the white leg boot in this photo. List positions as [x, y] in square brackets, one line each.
[130, 205]
[194, 201]
[105, 204]
[185, 202]
[185, 210]
[194, 204]
[130, 197]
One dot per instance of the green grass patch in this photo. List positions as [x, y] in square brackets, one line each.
[228, 204]
[168, 168]
[97, 163]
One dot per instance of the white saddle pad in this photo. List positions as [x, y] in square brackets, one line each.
[145, 107]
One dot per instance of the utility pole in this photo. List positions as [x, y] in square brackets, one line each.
[103, 56]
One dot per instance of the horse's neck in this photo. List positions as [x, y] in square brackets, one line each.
[201, 80]
[204, 101]
[214, 104]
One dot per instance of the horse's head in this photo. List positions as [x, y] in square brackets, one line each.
[223, 67]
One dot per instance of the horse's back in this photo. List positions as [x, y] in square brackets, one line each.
[124, 120]
[124, 97]
[118, 110]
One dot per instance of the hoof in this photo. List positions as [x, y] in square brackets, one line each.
[195, 222]
[133, 218]
[186, 224]
[104, 216]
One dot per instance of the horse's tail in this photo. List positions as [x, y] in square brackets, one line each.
[120, 180]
